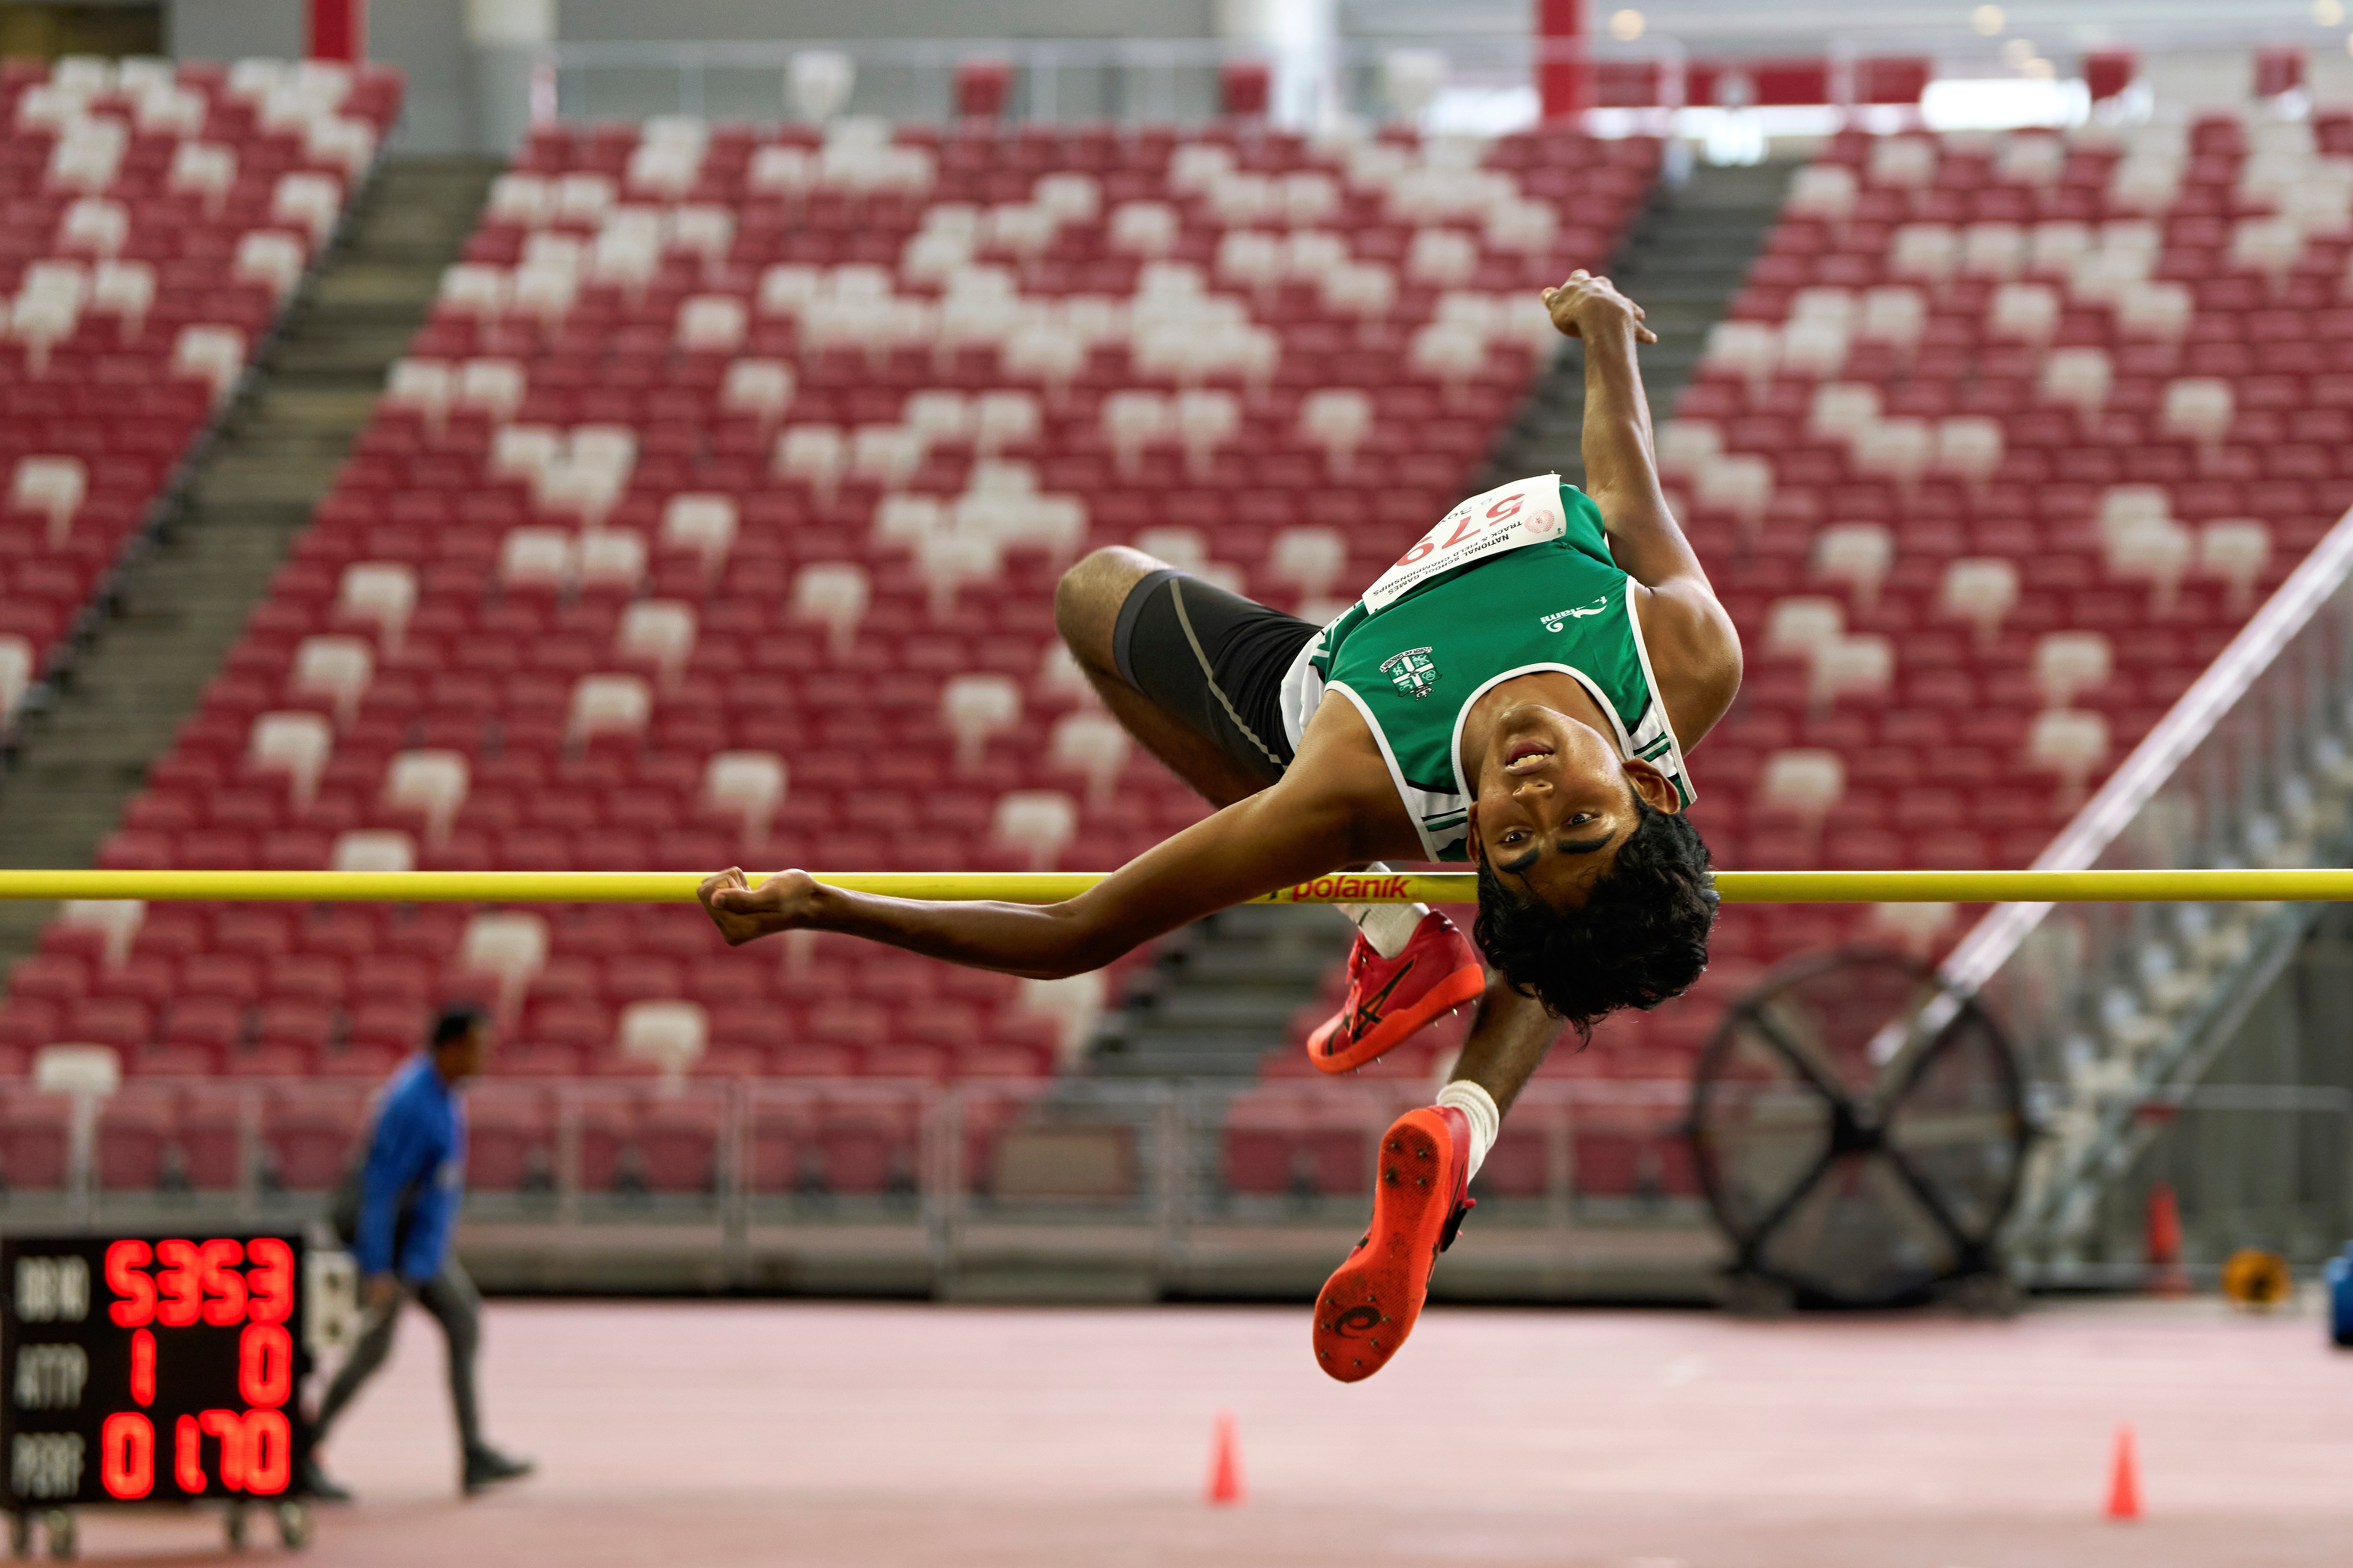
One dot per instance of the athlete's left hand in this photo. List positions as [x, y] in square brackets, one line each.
[741, 912]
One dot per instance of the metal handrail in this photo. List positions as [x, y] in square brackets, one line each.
[761, 53]
[2097, 823]
[1225, 1104]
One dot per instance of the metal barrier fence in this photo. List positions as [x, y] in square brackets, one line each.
[1069, 80]
[1132, 1190]
[2267, 1165]
[1788, 66]
[1140, 1188]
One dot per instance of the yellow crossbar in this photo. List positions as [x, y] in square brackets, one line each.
[2327, 885]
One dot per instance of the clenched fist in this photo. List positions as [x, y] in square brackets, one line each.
[1588, 306]
[786, 901]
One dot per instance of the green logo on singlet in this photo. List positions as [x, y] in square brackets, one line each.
[1560, 618]
[1411, 672]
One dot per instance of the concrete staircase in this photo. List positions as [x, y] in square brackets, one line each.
[1682, 264]
[1222, 992]
[184, 601]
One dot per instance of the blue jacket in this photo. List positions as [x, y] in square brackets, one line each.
[415, 1175]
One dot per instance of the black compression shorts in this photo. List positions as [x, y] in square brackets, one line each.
[1215, 659]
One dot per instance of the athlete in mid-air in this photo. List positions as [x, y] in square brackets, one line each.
[1519, 691]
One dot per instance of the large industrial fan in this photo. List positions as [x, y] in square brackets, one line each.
[1861, 1133]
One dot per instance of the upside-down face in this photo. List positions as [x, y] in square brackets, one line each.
[1555, 800]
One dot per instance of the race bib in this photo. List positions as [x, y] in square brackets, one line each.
[1526, 511]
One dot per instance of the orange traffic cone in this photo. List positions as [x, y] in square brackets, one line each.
[2124, 1478]
[1225, 1463]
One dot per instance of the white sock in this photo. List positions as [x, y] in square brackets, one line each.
[1388, 927]
[1478, 1108]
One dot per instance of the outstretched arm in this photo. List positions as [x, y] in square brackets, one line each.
[1311, 822]
[1235, 856]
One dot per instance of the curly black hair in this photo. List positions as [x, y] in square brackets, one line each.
[1641, 937]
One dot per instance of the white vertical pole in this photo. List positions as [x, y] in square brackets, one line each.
[1299, 35]
[507, 38]
[81, 1155]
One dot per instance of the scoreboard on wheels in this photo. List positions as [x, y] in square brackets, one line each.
[151, 1368]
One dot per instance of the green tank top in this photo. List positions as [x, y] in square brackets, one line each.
[1414, 667]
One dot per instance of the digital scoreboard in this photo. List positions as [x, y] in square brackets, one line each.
[151, 1368]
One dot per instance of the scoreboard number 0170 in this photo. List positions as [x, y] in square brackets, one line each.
[152, 1367]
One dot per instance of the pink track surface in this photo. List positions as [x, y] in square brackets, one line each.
[842, 1435]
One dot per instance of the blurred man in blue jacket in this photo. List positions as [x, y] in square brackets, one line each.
[396, 1210]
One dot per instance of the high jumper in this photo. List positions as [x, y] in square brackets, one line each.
[1520, 690]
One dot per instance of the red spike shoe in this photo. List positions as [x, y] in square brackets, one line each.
[1390, 1000]
[1369, 1305]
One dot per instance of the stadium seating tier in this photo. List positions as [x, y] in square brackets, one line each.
[153, 220]
[729, 481]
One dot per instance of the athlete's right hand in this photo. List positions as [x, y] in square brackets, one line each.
[1584, 304]
[786, 901]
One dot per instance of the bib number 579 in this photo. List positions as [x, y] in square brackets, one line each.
[1503, 511]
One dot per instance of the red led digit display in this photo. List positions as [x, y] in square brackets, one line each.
[269, 1452]
[179, 1284]
[230, 1427]
[256, 1454]
[166, 1370]
[270, 1282]
[188, 1456]
[265, 1364]
[126, 1448]
[224, 1287]
[126, 1276]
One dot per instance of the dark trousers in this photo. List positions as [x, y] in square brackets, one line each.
[454, 1302]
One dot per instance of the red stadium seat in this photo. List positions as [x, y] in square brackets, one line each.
[309, 1135]
[511, 1142]
[32, 1146]
[133, 1139]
